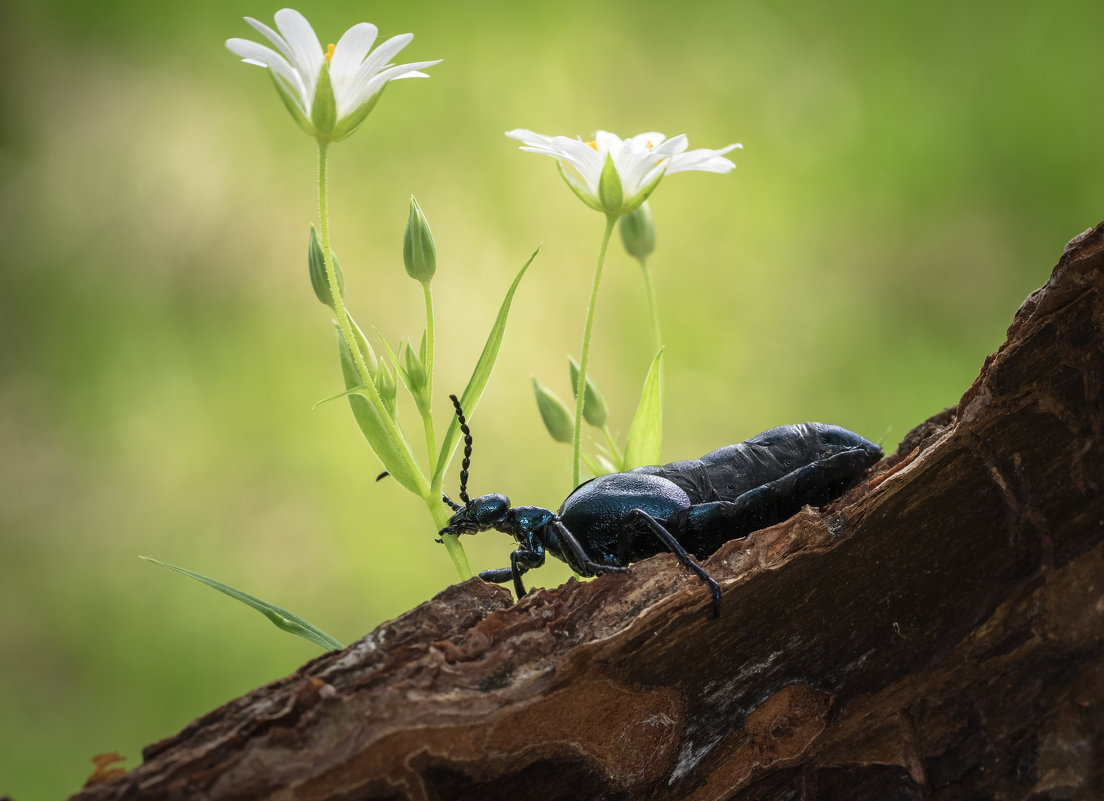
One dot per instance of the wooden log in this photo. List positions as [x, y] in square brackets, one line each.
[937, 633]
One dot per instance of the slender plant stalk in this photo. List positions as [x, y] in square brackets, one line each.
[649, 288]
[584, 356]
[437, 509]
[427, 417]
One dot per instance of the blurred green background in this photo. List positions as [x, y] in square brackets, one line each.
[910, 174]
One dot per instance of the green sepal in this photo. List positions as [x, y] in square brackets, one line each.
[287, 96]
[580, 191]
[638, 232]
[324, 108]
[610, 192]
[419, 251]
[558, 419]
[646, 432]
[595, 410]
[469, 399]
[280, 617]
[353, 120]
[317, 267]
[636, 200]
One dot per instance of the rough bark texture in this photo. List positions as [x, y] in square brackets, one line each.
[938, 633]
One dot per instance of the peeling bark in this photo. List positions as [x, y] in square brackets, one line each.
[937, 633]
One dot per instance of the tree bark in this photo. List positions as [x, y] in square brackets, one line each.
[937, 633]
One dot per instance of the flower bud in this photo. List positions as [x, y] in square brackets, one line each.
[317, 266]
[554, 413]
[595, 410]
[366, 351]
[419, 252]
[386, 386]
[638, 232]
[415, 370]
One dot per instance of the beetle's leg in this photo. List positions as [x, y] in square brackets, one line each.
[521, 561]
[577, 557]
[642, 519]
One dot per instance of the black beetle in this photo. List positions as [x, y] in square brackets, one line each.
[688, 507]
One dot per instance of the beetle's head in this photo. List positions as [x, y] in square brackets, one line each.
[479, 514]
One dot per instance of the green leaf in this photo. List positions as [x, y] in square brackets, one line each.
[280, 617]
[394, 454]
[479, 377]
[646, 431]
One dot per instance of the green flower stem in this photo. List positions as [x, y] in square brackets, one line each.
[346, 326]
[437, 509]
[427, 416]
[441, 515]
[584, 356]
[649, 287]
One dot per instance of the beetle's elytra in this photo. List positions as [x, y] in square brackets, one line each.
[689, 508]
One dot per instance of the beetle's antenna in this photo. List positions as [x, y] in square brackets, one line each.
[467, 450]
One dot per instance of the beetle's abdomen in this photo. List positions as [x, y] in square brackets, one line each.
[727, 473]
[596, 511]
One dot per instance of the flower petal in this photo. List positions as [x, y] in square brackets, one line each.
[351, 50]
[704, 160]
[254, 53]
[362, 86]
[374, 84]
[272, 36]
[306, 52]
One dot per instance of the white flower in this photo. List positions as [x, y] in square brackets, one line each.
[329, 93]
[614, 175]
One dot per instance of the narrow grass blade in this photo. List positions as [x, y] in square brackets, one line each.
[646, 432]
[480, 375]
[280, 617]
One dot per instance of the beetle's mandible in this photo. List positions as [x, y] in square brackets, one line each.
[689, 508]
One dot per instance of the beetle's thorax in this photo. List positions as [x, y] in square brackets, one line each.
[522, 522]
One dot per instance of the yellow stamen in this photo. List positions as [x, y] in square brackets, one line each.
[593, 145]
[329, 52]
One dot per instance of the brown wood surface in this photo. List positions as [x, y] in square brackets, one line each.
[938, 633]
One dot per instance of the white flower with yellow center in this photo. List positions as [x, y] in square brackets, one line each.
[615, 175]
[329, 93]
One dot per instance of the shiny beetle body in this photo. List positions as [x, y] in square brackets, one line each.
[689, 508]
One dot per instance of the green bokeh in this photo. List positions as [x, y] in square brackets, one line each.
[910, 173]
